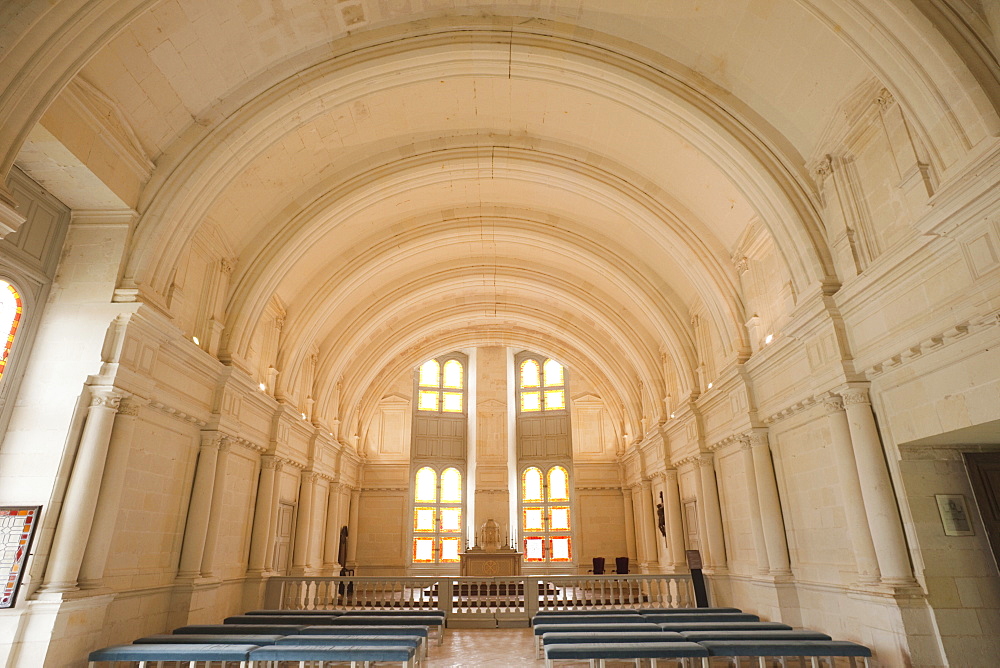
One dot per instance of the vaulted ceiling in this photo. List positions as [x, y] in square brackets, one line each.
[410, 176]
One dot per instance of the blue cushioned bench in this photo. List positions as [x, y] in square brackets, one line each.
[393, 613]
[571, 611]
[573, 637]
[598, 653]
[699, 636]
[590, 619]
[541, 629]
[204, 638]
[688, 611]
[704, 617]
[434, 621]
[723, 626]
[143, 654]
[377, 631]
[283, 620]
[271, 613]
[242, 629]
[418, 642]
[813, 649]
[353, 653]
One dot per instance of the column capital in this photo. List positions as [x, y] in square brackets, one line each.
[745, 443]
[107, 398]
[129, 407]
[668, 474]
[310, 477]
[758, 438]
[705, 460]
[833, 403]
[854, 396]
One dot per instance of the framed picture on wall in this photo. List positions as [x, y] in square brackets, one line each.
[954, 515]
[17, 530]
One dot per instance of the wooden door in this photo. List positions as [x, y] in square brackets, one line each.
[984, 473]
[283, 537]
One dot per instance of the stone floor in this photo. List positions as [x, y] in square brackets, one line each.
[494, 648]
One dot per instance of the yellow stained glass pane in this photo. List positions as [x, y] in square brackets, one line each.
[452, 402]
[529, 373]
[428, 401]
[453, 374]
[451, 486]
[423, 519]
[423, 550]
[530, 401]
[533, 549]
[533, 519]
[531, 484]
[451, 520]
[426, 487]
[430, 373]
[555, 400]
[449, 549]
[558, 484]
[559, 518]
[560, 549]
[553, 371]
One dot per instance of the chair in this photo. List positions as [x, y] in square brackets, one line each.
[598, 566]
[621, 565]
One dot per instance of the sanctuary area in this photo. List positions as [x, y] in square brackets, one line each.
[309, 301]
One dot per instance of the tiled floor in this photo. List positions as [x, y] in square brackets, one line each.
[494, 648]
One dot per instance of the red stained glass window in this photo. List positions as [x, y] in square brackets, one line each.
[11, 309]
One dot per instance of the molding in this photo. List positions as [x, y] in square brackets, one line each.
[10, 219]
[795, 408]
[932, 344]
[175, 413]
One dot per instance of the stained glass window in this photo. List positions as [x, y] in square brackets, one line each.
[533, 549]
[451, 486]
[529, 373]
[532, 484]
[453, 374]
[17, 529]
[533, 519]
[441, 386]
[559, 518]
[560, 549]
[558, 484]
[426, 487]
[541, 385]
[11, 307]
[437, 515]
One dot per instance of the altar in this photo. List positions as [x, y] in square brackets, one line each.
[488, 558]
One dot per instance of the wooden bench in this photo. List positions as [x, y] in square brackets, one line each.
[811, 649]
[598, 653]
[241, 629]
[365, 654]
[689, 611]
[588, 619]
[723, 626]
[573, 637]
[433, 621]
[191, 654]
[281, 619]
[419, 642]
[541, 629]
[204, 638]
[699, 636]
[701, 617]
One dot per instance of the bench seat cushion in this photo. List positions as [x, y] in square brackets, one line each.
[400, 630]
[393, 613]
[375, 620]
[589, 619]
[550, 628]
[241, 629]
[702, 617]
[178, 652]
[548, 613]
[561, 638]
[205, 638]
[698, 636]
[375, 641]
[689, 611]
[281, 620]
[319, 613]
[332, 653]
[785, 648]
[723, 626]
[657, 650]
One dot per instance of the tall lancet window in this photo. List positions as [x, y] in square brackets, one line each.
[545, 515]
[11, 307]
[437, 515]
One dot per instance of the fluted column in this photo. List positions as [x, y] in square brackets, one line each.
[876, 489]
[331, 538]
[196, 527]
[713, 511]
[850, 486]
[675, 526]
[76, 517]
[754, 508]
[216, 509]
[352, 531]
[109, 500]
[630, 547]
[648, 526]
[259, 549]
[770, 505]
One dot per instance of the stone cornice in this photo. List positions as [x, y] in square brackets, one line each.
[932, 344]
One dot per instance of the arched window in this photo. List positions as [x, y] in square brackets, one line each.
[541, 386]
[545, 515]
[441, 386]
[437, 515]
[11, 307]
